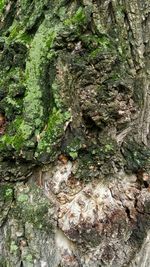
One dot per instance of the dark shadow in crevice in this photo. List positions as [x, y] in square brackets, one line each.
[146, 184]
[90, 123]
[8, 17]
[111, 13]
[127, 212]
[33, 29]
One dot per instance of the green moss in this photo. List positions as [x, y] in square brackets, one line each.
[6, 193]
[36, 104]
[94, 160]
[35, 211]
[108, 147]
[115, 76]
[73, 146]
[22, 198]
[40, 125]
[56, 89]
[12, 91]
[14, 31]
[13, 247]
[2, 4]
[29, 14]
[28, 259]
[3, 262]
[9, 192]
[12, 106]
[96, 45]
[40, 55]
[14, 140]
[137, 156]
[95, 40]
[78, 18]
[18, 34]
[36, 110]
[54, 130]
[73, 154]
[6, 200]
[33, 106]
[120, 11]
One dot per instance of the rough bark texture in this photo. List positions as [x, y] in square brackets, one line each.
[74, 133]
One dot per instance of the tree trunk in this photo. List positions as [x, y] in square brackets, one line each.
[74, 133]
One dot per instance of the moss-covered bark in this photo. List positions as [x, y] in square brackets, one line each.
[74, 87]
[65, 73]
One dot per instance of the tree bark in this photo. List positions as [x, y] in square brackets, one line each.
[74, 133]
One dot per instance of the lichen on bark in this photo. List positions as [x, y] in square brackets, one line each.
[74, 132]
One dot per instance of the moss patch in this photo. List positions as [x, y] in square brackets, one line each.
[6, 199]
[137, 156]
[2, 4]
[32, 206]
[36, 114]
